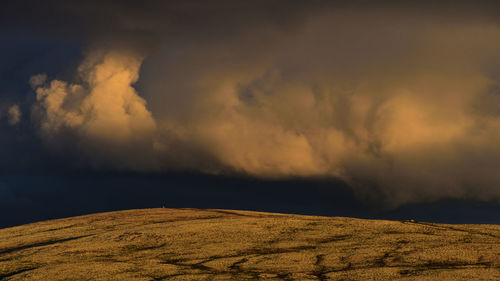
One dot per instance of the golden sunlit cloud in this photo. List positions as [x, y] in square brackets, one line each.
[14, 115]
[104, 111]
[403, 111]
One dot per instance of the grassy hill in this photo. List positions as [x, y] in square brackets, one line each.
[192, 244]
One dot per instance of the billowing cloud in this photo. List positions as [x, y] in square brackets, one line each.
[404, 106]
[14, 115]
[104, 112]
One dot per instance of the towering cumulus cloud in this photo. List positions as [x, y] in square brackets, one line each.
[403, 103]
[104, 112]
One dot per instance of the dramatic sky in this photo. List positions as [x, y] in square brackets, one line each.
[321, 107]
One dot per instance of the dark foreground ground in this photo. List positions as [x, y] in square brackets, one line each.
[193, 244]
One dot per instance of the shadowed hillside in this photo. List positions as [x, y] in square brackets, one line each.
[192, 244]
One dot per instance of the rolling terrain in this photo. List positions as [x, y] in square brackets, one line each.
[194, 244]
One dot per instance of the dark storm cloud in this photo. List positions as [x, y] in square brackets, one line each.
[395, 97]
[149, 21]
[209, 18]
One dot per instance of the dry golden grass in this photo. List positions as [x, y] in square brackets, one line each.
[189, 244]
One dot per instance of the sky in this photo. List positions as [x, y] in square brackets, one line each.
[376, 109]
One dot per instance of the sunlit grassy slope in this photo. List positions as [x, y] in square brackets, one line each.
[191, 244]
